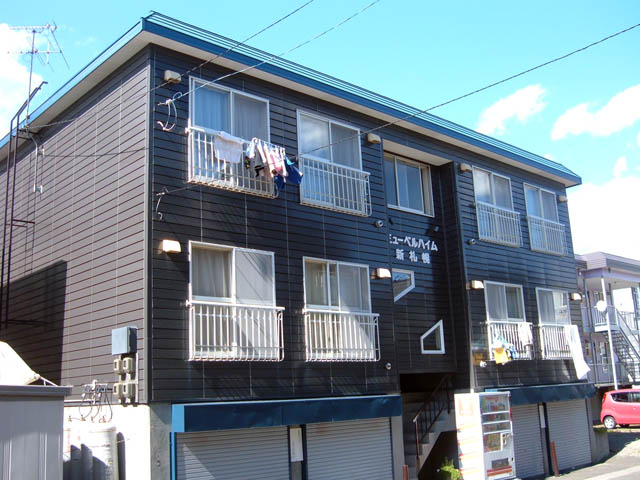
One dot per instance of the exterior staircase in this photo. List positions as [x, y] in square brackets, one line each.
[625, 339]
[423, 421]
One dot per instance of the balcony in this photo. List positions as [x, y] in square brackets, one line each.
[553, 342]
[228, 332]
[332, 336]
[546, 236]
[518, 334]
[498, 225]
[335, 187]
[206, 169]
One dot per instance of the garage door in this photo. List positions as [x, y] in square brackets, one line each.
[569, 429]
[359, 449]
[527, 441]
[257, 453]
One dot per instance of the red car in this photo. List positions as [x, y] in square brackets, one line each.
[620, 407]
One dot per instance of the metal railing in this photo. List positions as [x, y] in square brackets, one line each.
[553, 342]
[600, 318]
[335, 187]
[206, 169]
[230, 332]
[426, 416]
[629, 319]
[332, 336]
[546, 236]
[518, 334]
[602, 373]
[498, 225]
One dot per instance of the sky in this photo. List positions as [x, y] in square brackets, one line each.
[583, 111]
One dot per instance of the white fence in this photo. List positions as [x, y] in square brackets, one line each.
[498, 225]
[335, 187]
[546, 236]
[206, 169]
[332, 336]
[553, 342]
[518, 334]
[222, 331]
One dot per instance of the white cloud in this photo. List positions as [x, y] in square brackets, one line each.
[521, 104]
[603, 219]
[620, 166]
[548, 156]
[86, 42]
[622, 111]
[14, 77]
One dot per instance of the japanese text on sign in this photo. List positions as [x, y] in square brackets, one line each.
[413, 243]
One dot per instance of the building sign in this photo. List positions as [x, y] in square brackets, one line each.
[413, 249]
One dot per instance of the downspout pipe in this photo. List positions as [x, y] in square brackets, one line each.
[613, 360]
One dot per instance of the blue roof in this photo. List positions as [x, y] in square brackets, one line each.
[173, 29]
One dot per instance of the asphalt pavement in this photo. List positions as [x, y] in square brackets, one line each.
[623, 464]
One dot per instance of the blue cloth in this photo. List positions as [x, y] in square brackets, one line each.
[293, 175]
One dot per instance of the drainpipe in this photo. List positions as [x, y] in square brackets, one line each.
[613, 360]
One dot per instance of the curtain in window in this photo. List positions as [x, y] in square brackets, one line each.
[211, 272]
[254, 278]
[514, 303]
[502, 192]
[496, 302]
[549, 205]
[211, 109]
[314, 134]
[390, 180]
[409, 186]
[345, 150]
[482, 186]
[249, 118]
[533, 201]
[315, 283]
[561, 305]
[354, 288]
[545, 306]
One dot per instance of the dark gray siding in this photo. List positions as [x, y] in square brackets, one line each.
[77, 272]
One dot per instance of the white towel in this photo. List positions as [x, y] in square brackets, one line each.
[572, 335]
[227, 147]
[524, 334]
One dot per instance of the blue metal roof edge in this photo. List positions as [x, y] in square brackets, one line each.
[208, 41]
[82, 74]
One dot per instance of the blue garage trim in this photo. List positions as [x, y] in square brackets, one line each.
[548, 393]
[197, 417]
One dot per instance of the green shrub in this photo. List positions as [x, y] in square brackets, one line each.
[448, 471]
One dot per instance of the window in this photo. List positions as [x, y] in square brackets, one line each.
[336, 285]
[403, 282]
[233, 315]
[330, 159]
[408, 185]
[504, 302]
[217, 108]
[432, 341]
[553, 307]
[497, 221]
[545, 233]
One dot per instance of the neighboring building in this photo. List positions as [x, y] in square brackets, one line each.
[276, 324]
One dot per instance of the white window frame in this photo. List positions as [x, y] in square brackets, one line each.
[427, 193]
[232, 299]
[505, 285]
[552, 290]
[337, 308]
[439, 325]
[301, 113]
[493, 189]
[195, 82]
[406, 290]
[540, 190]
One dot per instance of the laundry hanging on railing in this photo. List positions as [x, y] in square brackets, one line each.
[293, 176]
[503, 351]
[227, 147]
[524, 334]
[572, 335]
[261, 154]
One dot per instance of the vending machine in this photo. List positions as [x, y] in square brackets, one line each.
[485, 436]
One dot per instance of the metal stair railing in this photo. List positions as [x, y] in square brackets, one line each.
[429, 412]
[626, 346]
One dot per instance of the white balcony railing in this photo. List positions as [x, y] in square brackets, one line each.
[517, 334]
[332, 336]
[498, 225]
[553, 342]
[206, 169]
[600, 318]
[226, 332]
[335, 187]
[546, 236]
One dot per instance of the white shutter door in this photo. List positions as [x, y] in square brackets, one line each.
[527, 441]
[569, 429]
[356, 449]
[243, 454]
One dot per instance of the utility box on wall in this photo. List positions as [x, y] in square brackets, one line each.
[124, 340]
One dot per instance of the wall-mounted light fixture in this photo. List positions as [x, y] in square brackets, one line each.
[373, 138]
[475, 285]
[171, 246]
[172, 77]
[380, 273]
[562, 199]
[575, 296]
[465, 167]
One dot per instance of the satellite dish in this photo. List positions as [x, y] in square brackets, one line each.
[601, 306]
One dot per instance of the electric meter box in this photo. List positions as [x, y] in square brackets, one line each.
[124, 340]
